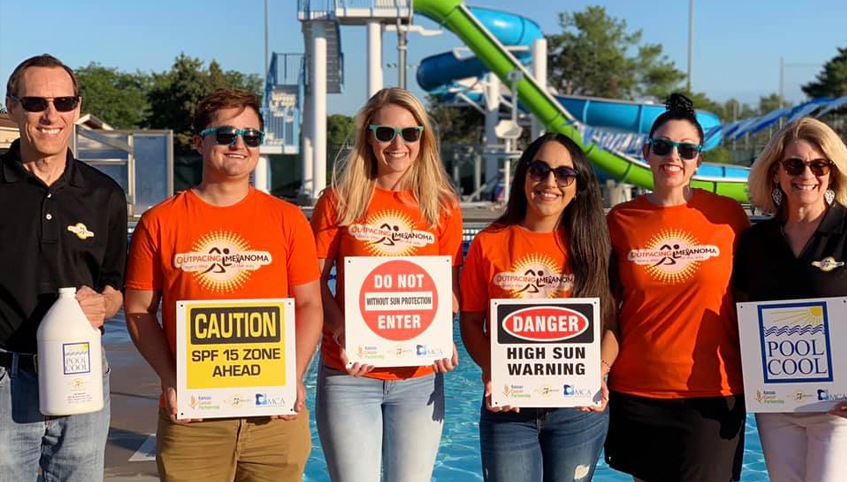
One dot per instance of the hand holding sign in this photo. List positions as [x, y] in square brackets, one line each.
[299, 405]
[169, 392]
[447, 364]
[487, 395]
[355, 369]
[839, 410]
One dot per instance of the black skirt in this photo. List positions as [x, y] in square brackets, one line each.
[689, 439]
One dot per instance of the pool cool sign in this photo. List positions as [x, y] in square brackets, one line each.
[792, 361]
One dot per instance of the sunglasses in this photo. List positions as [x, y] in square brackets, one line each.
[388, 133]
[539, 171]
[662, 147]
[39, 104]
[227, 135]
[796, 167]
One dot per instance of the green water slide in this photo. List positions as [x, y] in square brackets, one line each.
[455, 16]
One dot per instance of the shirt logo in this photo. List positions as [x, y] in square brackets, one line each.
[673, 256]
[827, 264]
[535, 276]
[390, 233]
[221, 261]
[80, 230]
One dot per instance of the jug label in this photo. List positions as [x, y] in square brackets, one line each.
[77, 358]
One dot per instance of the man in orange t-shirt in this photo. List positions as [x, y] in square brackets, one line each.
[269, 252]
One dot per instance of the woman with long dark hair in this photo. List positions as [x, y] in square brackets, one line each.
[677, 407]
[554, 229]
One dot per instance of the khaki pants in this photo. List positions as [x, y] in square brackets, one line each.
[254, 449]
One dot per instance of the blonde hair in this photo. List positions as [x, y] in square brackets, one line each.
[761, 183]
[354, 178]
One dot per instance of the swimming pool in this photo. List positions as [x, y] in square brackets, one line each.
[458, 457]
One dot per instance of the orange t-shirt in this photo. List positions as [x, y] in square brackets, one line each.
[513, 262]
[678, 330]
[392, 226]
[191, 250]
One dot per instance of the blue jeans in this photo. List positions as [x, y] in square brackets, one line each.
[365, 423]
[541, 444]
[68, 449]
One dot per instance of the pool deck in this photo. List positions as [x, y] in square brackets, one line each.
[135, 398]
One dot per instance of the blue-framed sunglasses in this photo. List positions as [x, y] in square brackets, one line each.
[388, 133]
[227, 135]
[687, 151]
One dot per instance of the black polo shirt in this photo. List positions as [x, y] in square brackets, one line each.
[72, 233]
[766, 268]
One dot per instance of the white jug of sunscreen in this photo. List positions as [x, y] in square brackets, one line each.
[70, 367]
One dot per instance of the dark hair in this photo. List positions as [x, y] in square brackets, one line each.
[582, 225]
[43, 60]
[678, 107]
[225, 99]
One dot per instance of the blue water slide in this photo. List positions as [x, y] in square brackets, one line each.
[439, 71]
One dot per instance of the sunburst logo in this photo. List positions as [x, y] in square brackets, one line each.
[221, 261]
[391, 233]
[826, 265]
[794, 320]
[673, 256]
[80, 230]
[535, 276]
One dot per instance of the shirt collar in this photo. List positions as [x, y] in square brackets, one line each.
[14, 171]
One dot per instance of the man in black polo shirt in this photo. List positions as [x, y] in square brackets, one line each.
[62, 223]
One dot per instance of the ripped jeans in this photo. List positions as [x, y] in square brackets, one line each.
[541, 444]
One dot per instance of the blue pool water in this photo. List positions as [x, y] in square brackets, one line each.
[458, 457]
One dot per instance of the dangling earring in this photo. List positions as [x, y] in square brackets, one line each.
[776, 194]
[829, 196]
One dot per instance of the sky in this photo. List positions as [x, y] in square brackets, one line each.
[737, 43]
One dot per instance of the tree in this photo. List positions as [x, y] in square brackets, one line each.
[832, 80]
[455, 124]
[592, 57]
[340, 129]
[771, 102]
[175, 94]
[118, 98]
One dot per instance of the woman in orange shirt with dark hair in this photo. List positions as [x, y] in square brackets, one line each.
[552, 234]
[677, 408]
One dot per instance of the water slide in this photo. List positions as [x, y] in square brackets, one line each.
[462, 21]
[438, 73]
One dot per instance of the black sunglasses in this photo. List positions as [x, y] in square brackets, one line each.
[388, 133]
[227, 135]
[539, 170]
[687, 150]
[796, 167]
[39, 104]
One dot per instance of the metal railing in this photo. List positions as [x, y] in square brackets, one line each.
[325, 6]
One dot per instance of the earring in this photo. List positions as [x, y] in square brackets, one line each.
[776, 195]
[829, 196]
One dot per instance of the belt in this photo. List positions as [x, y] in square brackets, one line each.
[26, 361]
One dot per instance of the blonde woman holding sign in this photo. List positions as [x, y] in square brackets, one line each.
[393, 182]
[553, 236]
[801, 178]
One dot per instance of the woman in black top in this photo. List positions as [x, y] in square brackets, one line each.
[801, 178]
